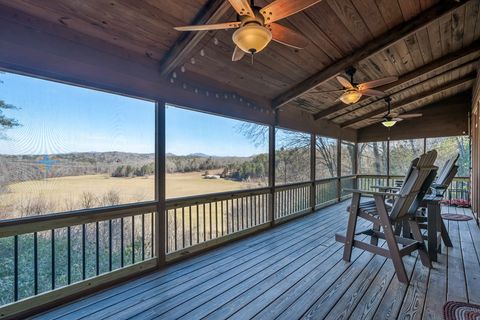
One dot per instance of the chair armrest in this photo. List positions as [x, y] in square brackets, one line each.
[385, 188]
[373, 193]
[439, 186]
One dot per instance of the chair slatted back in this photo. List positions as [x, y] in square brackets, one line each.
[440, 191]
[445, 172]
[413, 184]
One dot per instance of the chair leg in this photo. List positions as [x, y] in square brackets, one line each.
[417, 235]
[391, 241]
[407, 232]
[352, 224]
[374, 239]
[398, 228]
[444, 233]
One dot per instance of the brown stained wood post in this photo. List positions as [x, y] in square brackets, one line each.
[355, 165]
[388, 161]
[339, 169]
[313, 157]
[271, 173]
[160, 154]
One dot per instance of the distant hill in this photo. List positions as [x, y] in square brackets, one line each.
[199, 155]
[14, 168]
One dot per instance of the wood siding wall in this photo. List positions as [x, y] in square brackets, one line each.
[448, 117]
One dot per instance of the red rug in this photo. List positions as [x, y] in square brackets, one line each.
[456, 217]
[461, 311]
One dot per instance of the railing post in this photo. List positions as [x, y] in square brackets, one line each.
[160, 154]
[388, 162]
[355, 166]
[271, 172]
[313, 158]
[339, 169]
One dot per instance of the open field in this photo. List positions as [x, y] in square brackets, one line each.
[67, 193]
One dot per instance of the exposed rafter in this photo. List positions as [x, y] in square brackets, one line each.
[412, 99]
[428, 68]
[407, 89]
[373, 47]
[211, 13]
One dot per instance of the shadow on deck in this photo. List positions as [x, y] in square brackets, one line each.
[294, 271]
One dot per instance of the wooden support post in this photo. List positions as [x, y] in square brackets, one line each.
[339, 169]
[271, 173]
[388, 162]
[355, 166]
[313, 158]
[160, 154]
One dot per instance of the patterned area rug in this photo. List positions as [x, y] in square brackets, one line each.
[456, 217]
[461, 311]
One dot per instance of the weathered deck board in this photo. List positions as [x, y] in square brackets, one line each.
[294, 271]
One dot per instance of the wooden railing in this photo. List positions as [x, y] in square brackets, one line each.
[195, 220]
[458, 189]
[326, 192]
[54, 252]
[292, 199]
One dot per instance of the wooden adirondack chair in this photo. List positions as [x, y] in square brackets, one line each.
[385, 217]
[438, 189]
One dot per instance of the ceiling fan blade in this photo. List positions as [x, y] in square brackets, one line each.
[280, 9]
[344, 82]
[397, 119]
[242, 7]
[238, 54]
[377, 83]
[206, 27]
[411, 115]
[372, 93]
[287, 36]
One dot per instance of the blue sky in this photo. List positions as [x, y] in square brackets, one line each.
[58, 118]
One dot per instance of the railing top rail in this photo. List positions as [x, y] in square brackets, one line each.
[293, 185]
[18, 226]
[395, 176]
[349, 176]
[205, 198]
[326, 179]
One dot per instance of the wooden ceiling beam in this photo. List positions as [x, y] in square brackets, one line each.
[211, 13]
[373, 47]
[410, 100]
[406, 89]
[428, 68]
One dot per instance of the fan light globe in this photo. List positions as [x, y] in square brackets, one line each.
[252, 38]
[350, 97]
[389, 123]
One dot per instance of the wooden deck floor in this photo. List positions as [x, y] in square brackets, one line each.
[294, 271]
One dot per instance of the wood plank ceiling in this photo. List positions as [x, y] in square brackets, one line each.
[433, 62]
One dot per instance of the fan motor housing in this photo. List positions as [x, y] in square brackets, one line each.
[257, 19]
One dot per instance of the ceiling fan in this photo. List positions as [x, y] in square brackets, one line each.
[256, 27]
[391, 118]
[352, 91]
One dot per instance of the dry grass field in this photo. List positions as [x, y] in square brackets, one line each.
[68, 193]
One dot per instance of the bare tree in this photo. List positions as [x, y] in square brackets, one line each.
[294, 140]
